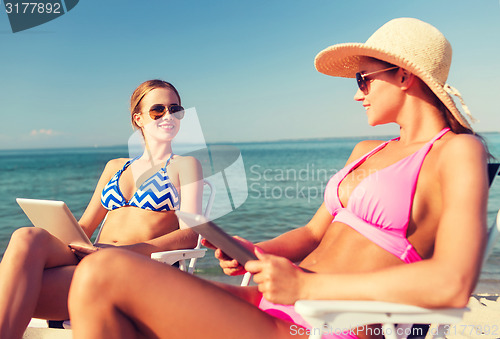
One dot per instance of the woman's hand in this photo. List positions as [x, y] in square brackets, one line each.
[229, 265]
[82, 251]
[280, 281]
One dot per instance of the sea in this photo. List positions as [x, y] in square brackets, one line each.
[285, 184]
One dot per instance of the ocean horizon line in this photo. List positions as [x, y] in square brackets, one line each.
[6, 151]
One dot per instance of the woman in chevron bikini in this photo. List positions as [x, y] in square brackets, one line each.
[138, 198]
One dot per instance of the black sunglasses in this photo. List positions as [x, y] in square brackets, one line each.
[363, 78]
[159, 110]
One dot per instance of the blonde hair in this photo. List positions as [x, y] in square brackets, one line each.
[142, 90]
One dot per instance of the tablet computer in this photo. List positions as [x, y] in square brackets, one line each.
[217, 237]
[56, 218]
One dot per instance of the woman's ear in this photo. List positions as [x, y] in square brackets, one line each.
[407, 79]
[138, 119]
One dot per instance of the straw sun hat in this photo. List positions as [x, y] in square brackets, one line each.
[406, 42]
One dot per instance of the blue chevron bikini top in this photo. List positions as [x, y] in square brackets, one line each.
[155, 194]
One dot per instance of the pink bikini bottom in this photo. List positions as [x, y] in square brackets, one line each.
[300, 326]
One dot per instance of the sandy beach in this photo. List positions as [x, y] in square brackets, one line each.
[482, 321]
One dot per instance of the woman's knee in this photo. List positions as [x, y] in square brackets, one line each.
[95, 275]
[99, 269]
[30, 239]
[30, 234]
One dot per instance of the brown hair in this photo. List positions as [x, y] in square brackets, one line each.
[142, 90]
[458, 128]
[450, 120]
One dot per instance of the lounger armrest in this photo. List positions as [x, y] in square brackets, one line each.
[338, 314]
[171, 257]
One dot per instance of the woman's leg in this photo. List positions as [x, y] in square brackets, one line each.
[30, 251]
[118, 294]
[53, 299]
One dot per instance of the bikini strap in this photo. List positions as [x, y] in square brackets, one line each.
[129, 162]
[427, 147]
[168, 161]
[439, 135]
[355, 163]
[378, 148]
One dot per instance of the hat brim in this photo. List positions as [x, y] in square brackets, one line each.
[343, 60]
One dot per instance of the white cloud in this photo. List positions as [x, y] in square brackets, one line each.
[48, 132]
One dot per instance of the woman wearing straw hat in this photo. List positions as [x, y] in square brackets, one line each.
[405, 215]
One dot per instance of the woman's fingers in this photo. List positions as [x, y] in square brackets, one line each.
[229, 265]
[277, 278]
[246, 243]
[81, 251]
[207, 244]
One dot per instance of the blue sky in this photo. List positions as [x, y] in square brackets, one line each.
[246, 66]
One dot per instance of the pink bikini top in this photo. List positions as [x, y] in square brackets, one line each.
[380, 205]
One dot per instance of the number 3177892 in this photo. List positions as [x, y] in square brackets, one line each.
[33, 7]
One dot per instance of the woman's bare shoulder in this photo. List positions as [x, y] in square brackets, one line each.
[188, 167]
[462, 153]
[185, 161]
[367, 145]
[362, 148]
[462, 147]
[114, 165]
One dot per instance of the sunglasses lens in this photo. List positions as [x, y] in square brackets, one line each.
[361, 82]
[157, 111]
[177, 111]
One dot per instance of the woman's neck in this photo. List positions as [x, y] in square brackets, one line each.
[420, 122]
[157, 152]
[412, 135]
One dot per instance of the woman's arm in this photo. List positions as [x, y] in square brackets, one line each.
[175, 240]
[446, 279]
[191, 181]
[293, 245]
[95, 212]
[296, 244]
